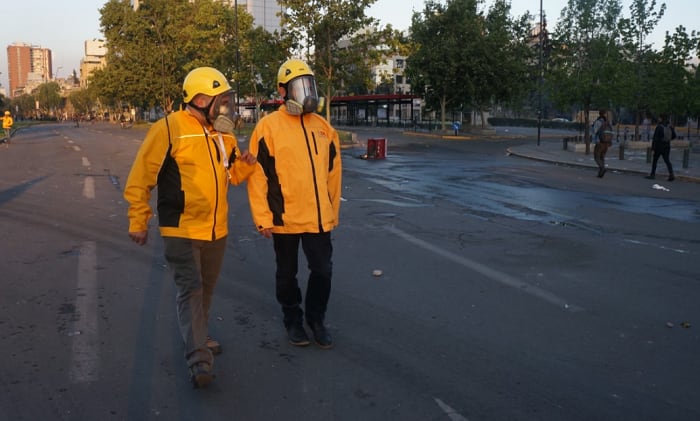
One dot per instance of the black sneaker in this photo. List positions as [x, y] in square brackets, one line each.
[297, 334]
[200, 375]
[671, 177]
[321, 335]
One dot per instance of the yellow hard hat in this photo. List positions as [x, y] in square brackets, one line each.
[292, 68]
[204, 80]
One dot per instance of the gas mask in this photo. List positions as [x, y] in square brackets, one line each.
[221, 114]
[302, 96]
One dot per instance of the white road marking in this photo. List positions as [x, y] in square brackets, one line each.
[85, 362]
[454, 415]
[86, 162]
[490, 273]
[89, 187]
[76, 148]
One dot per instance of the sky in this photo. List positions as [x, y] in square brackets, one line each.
[63, 27]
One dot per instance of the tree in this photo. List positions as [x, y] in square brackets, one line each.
[445, 38]
[151, 50]
[504, 71]
[336, 35]
[638, 55]
[674, 74]
[83, 100]
[24, 104]
[264, 51]
[48, 96]
[694, 95]
[461, 57]
[585, 57]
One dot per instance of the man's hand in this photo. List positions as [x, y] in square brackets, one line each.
[266, 232]
[139, 237]
[248, 158]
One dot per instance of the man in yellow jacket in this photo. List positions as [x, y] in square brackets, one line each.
[191, 156]
[7, 123]
[294, 198]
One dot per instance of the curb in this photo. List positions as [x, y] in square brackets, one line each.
[681, 177]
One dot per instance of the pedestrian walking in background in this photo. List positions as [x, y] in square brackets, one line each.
[191, 156]
[661, 146]
[7, 123]
[295, 198]
[602, 137]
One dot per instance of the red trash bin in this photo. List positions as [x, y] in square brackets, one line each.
[376, 148]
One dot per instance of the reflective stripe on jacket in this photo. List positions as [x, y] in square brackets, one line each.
[296, 187]
[188, 169]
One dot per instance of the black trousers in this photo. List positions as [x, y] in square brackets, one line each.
[662, 151]
[318, 250]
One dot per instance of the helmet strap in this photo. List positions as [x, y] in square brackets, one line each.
[204, 110]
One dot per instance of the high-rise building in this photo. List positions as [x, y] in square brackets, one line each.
[264, 12]
[27, 67]
[95, 52]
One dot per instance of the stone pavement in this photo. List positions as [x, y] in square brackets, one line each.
[551, 149]
[634, 160]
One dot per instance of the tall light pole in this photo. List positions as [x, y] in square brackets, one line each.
[238, 60]
[540, 76]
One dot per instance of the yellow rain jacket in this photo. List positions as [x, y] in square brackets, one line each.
[188, 166]
[296, 185]
[7, 122]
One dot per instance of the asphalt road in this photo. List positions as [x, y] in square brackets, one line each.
[510, 289]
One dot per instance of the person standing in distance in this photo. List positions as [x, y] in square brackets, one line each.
[294, 197]
[661, 146]
[191, 156]
[7, 123]
[602, 137]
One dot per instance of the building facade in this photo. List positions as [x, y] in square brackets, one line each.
[95, 58]
[265, 12]
[27, 67]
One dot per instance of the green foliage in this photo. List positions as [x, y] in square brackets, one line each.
[150, 51]
[261, 59]
[48, 96]
[460, 55]
[83, 100]
[602, 59]
[586, 58]
[340, 39]
[23, 105]
[464, 58]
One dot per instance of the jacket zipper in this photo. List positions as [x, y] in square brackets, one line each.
[216, 182]
[313, 171]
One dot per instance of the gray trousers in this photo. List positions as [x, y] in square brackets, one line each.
[196, 265]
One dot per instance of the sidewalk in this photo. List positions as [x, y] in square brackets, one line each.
[634, 160]
[551, 149]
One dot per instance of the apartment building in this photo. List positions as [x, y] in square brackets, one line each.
[95, 58]
[28, 66]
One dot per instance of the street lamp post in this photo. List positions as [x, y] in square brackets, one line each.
[540, 77]
[238, 60]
